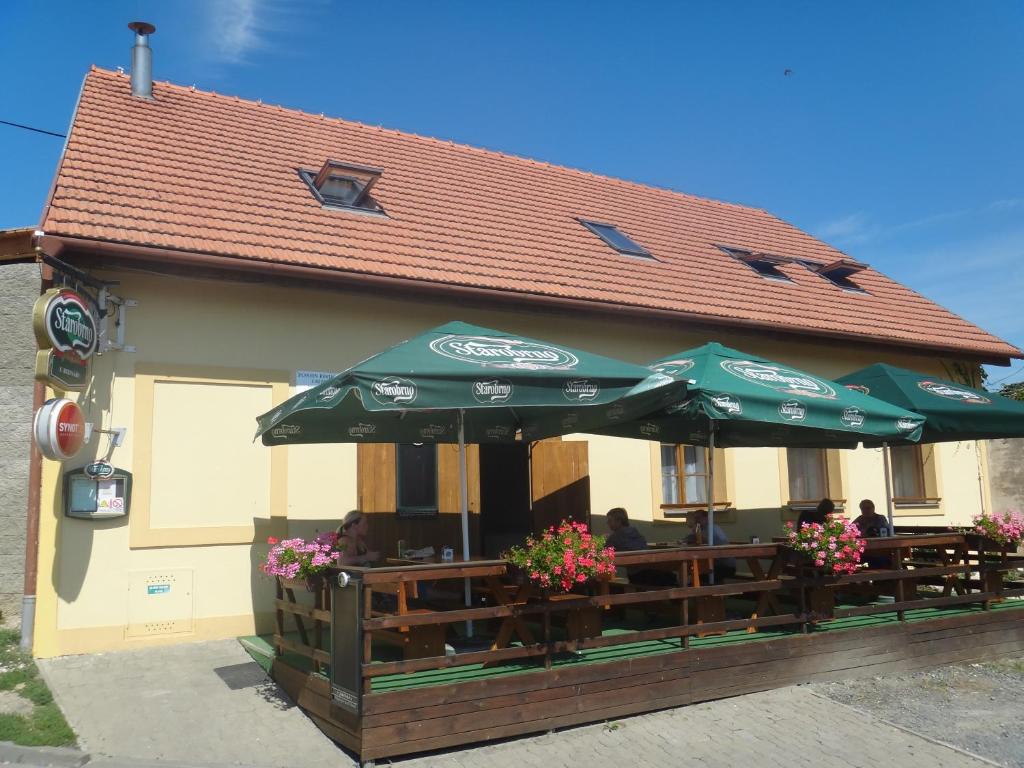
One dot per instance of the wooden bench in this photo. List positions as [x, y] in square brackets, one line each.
[416, 642]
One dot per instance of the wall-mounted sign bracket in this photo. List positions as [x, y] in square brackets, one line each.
[120, 321]
[117, 435]
[69, 275]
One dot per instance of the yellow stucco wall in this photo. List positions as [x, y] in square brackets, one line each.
[204, 347]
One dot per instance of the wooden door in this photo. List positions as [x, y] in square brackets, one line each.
[560, 482]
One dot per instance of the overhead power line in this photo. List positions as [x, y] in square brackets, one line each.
[35, 130]
[1010, 375]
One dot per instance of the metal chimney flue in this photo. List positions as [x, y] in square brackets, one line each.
[142, 60]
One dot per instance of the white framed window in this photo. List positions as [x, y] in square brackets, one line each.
[908, 481]
[808, 474]
[684, 475]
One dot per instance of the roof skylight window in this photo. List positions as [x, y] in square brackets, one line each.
[614, 237]
[765, 264]
[343, 185]
[838, 272]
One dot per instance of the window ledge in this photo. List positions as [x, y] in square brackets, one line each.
[913, 503]
[801, 506]
[691, 507]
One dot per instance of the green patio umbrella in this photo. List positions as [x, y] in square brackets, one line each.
[741, 400]
[460, 383]
[952, 411]
[738, 399]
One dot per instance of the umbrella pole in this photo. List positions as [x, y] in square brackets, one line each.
[886, 459]
[981, 482]
[710, 492]
[464, 508]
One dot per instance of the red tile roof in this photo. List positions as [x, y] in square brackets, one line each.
[213, 174]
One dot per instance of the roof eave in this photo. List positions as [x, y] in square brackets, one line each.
[16, 245]
[56, 245]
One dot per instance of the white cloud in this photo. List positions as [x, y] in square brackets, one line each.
[1009, 204]
[980, 278]
[849, 227]
[859, 227]
[237, 28]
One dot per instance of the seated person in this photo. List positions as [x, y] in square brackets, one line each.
[870, 522]
[624, 537]
[725, 567]
[817, 515]
[352, 544]
[352, 535]
[872, 525]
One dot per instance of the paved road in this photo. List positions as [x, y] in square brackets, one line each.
[207, 703]
[788, 728]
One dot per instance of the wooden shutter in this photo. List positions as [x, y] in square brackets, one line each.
[378, 486]
[560, 480]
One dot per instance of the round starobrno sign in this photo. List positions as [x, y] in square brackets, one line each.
[59, 429]
[65, 322]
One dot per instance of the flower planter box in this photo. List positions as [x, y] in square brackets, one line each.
[580, 623]
[985, 544]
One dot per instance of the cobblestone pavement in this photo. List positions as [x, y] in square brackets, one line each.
[208, 703]
[788, 728]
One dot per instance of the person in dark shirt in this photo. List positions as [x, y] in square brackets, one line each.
[870, 522]
[817, 515]
[624, 537]
[725, 567]
[872, 525]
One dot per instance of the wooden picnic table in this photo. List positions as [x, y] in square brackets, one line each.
[687, 560]
[947, 562]
[403, 578]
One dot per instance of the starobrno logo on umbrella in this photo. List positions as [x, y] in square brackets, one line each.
[362, 430]
[779, 378]
[793, 410]
[852, 417]
[329, 395]
[492, 391]
[941, 389]
[673, 367]
[727, 403]
[502, 352]
[394, 390]
[581, 390]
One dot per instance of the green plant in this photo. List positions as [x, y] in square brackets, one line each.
[564, 557]
[45, 725]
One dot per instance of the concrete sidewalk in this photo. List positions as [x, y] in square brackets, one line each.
[206, 703]
[209, 704]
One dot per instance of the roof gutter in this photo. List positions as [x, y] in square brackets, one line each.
[61, 245]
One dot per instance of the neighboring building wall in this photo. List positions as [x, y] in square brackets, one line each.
[19, 288]
[211, 356]
[1006, 464]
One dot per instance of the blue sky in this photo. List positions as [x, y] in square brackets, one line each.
[897, 137]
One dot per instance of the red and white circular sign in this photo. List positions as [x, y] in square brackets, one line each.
[59, 429]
